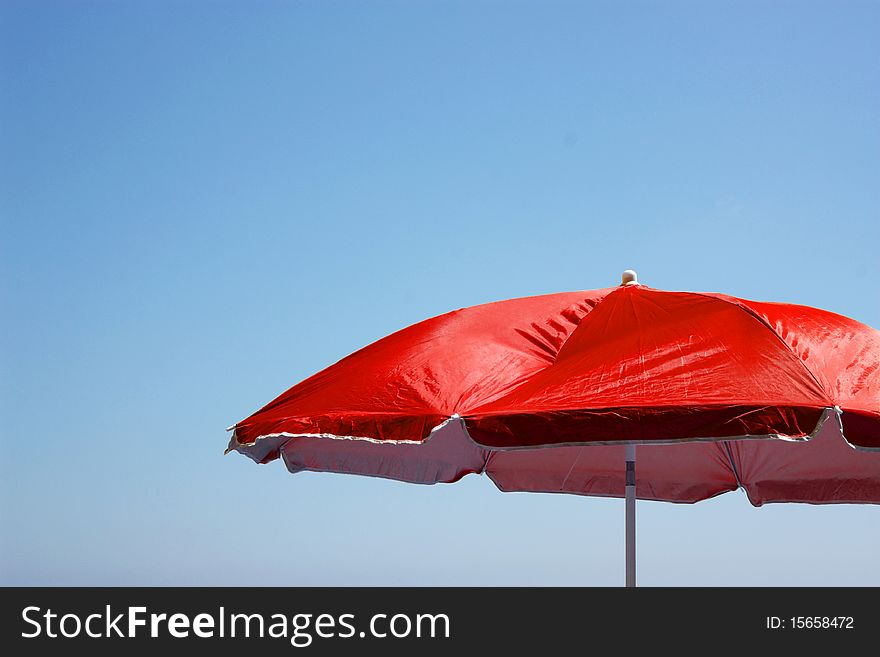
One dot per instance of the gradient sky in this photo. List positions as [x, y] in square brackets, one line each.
[204, 203]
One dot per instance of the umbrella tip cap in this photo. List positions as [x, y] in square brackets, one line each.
[629, 277]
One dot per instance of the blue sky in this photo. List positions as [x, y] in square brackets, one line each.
[204, 203]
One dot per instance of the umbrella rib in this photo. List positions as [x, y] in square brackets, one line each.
[570, 469]
[739, 483]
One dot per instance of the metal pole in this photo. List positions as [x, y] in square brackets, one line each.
[630, 515]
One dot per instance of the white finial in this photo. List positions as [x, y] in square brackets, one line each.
[629, 277]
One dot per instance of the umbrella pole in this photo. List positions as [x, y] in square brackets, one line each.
[630, 515]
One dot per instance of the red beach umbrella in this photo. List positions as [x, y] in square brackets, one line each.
[553, 393]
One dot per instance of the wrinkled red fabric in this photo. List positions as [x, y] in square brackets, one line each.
[541, 380]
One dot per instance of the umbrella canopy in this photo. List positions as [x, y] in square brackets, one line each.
[544, 394]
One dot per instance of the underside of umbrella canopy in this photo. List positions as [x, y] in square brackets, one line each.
[542, 394]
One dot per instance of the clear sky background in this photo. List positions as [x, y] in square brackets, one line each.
[204, 203]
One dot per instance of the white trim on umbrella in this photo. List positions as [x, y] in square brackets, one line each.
[234, 445]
